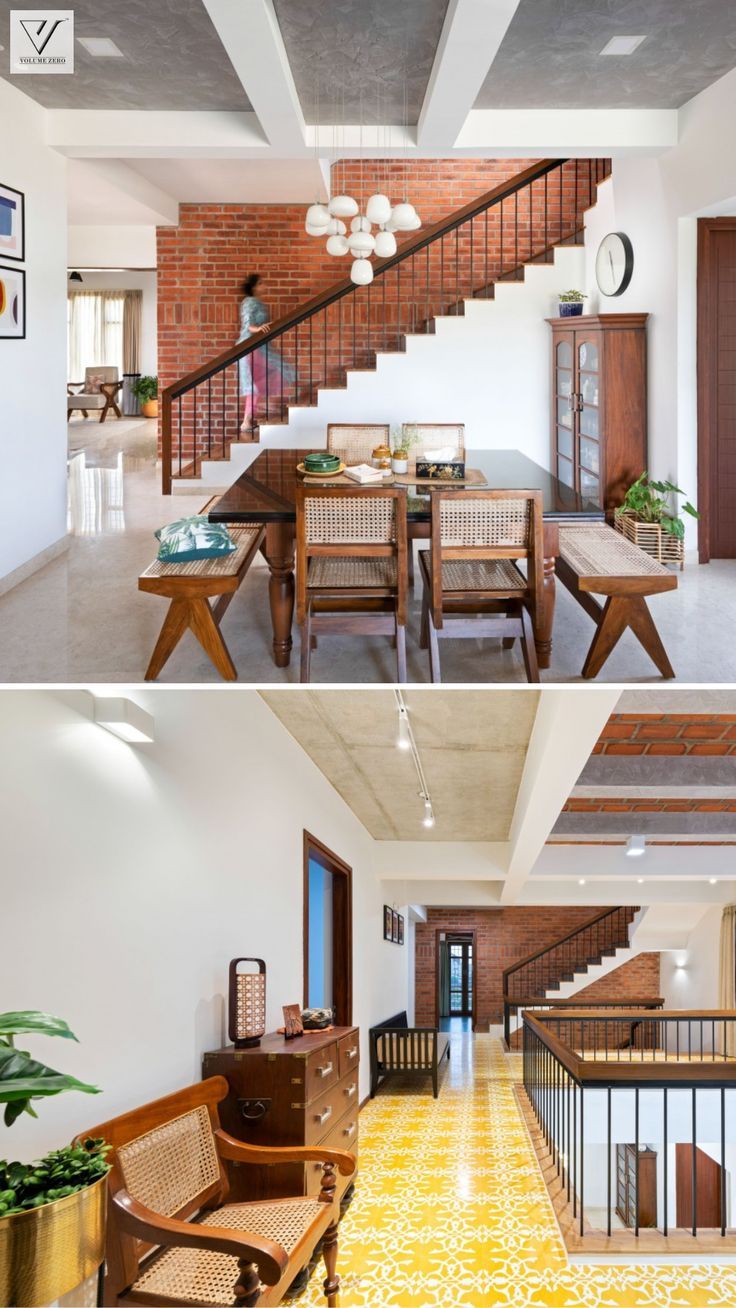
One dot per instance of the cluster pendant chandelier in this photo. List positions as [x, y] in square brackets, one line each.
[330, 220]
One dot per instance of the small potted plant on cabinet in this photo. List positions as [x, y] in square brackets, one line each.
[649, 517]
[571, 303]
[52, 1212]
[402, 439]
[146, 391]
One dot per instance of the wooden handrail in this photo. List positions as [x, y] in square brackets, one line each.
[563, 940]
[534, 1000]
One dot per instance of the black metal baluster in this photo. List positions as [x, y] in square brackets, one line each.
[665, 1160]
[472, 283]
[582, 1159]
[516, 234]
[457, 270]
[281, 395]
[413, 298]
[398, 306]
[426, 270]
[578, 215]
[296, 363]
[309, 401]
[224, 438]
[339, 339]
[324, 347]
[355, 335]
[636, 1157]
[267, 380]
[181, 436]
[608, 1187]
[209, 417]
[368, 297]
[500, 269]
[559, 173]
[385, 321]
[574, 1148]
[723, 1160]
[485, 241]
[694, 1167]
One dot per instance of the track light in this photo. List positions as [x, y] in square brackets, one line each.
[635, 847]
[404, 739]
[428, 819]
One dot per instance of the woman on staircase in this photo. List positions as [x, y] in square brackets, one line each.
[262, 371]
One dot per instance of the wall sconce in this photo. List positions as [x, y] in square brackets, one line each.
[246, 1019]
[124, 719]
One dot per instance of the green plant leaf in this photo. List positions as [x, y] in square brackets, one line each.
[22, 1079]
[30, 1022]
[675, 526]
[690, 508]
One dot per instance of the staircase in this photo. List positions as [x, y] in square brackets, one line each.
[572, 963]
[435, 276]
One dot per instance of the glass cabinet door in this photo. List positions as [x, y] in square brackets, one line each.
[564, 401]
[587, 407]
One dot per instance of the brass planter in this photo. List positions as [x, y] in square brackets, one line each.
[48, 1251]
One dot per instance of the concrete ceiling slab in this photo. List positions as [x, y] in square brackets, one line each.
[472, 745]
[172, 59]
[357, 55]
[550, 56]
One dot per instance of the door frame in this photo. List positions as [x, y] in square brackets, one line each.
[342, 925]
[706, 375]
[472, 935]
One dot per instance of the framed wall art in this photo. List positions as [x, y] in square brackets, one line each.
[394, 926]
[12, 223]
[12, 303]
[401, 929]
[388, 923]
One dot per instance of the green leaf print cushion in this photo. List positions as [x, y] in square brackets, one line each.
[193, 538]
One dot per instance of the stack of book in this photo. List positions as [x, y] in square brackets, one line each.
[365, 474]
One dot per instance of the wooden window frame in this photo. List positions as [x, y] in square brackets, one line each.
[706, 368]
[439, 931]
[342, 934]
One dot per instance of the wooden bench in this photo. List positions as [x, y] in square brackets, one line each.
[190, 586]
[397, 1048]
[596, 560]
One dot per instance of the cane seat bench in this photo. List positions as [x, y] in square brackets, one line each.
[172, 1238]
[596, 560]
[189, 587]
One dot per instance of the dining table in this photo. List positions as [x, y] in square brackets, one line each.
[266, 493]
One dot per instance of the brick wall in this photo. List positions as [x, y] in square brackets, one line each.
[505, 935]
[203, 261]
[704, 734]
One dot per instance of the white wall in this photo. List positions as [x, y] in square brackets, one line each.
[133, 281]
[689, 977]
[132, 876]
[103, 246]
[33, 371]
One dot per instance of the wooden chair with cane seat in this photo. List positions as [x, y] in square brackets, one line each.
[472, 584]
[430, 436]
[172, 1238]
[351, 565]
[356, 441]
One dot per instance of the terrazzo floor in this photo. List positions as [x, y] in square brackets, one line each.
[450, 1209]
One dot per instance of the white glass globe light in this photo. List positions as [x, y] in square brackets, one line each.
[317, 215]
[336, 227]
[342, 206]
[337, 245]
[378, 209]
[390, 225]
[361, 243]
[385, 244]
[415, 225]
[361, 272]
[311, 230]
[360, 225]
[403, 216]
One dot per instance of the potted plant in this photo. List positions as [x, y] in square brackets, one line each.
[571, 303]
[52, 1212]
[402, 439]
[146, 392]
[649, 517]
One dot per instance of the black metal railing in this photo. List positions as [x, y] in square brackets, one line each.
[433, 273]
[532, 1004]
[677, 1087]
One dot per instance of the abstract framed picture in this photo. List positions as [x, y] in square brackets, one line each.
[401, 929]
[388, 923]
[12, 303]
[394, 926]
[12, 223]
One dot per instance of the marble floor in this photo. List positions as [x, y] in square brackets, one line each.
[450, 1209]
[82, 619]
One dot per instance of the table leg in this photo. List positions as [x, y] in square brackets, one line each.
[545, 617]
[278, 550]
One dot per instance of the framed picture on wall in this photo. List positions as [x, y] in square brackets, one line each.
[12, 223]
[394, 926]
[388, 923]
[12, 303]
[401, 929]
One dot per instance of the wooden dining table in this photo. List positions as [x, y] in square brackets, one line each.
[266, 492]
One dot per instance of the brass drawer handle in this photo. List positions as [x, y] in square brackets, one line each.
[350, 1053]
[323, 1117]
[349, 1130]
[350, 1091]
[324, 1071]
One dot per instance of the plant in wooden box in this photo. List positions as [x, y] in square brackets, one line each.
[571, 303]
[649, 517]
[52, 1212]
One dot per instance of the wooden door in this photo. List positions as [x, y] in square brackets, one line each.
[461, 977]
[707, 1188]
[717, 388]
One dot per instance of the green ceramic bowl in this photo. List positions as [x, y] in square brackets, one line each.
[321, 462]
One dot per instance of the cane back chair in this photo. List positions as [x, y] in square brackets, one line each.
[356, 441]
[430, 435]
[472, 584]
[97, 391]
[173, 1239]
[351, 565]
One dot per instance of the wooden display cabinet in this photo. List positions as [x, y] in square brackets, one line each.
[633, 1192]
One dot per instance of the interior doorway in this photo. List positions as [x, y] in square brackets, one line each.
[716, 388]
[708, 1188]
[328, 931]
[456, 980]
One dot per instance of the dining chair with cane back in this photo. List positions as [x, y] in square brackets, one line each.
[351, 565]
[356, 441]
[473, 585]
[427, 436]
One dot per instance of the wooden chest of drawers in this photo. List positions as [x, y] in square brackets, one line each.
[290, 1092]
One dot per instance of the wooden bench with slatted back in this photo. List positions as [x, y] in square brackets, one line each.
[596, 560]
[189, 587]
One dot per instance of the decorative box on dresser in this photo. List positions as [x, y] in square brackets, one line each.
[304, 1091]
[599, 403]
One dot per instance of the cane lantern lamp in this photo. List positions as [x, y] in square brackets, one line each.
[247, 1003]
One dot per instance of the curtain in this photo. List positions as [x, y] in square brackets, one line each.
[95, 335]
[132, 309]
[727, 973]
[444, 979]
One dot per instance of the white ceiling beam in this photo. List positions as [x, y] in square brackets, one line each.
[566, 727]
[154, 134]
[444, 894]
[445, 860]
[553, 133]
[471, 36]
[251, 35]
[110, 184]
[693, 863]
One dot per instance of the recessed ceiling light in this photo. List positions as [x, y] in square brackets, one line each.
[581, 882]
[713, 881]
[124, 719]
[101, 47]
[640, 881]
[635, 847]
[622, 45]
